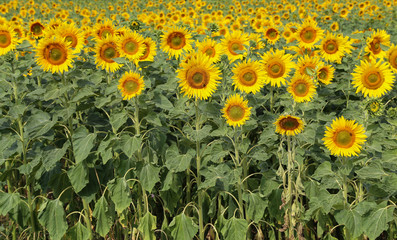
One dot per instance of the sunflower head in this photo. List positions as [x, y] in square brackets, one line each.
[289, 125]
[308, 34]
[131, 85]
[233, 43]
[106, 50]
[176, 41]
[345, 137]
[236, 111]
[301, 88]
[131, 46]
[277, 65]
[248, 77]
[392, 57]
[36, 29]
[8, 39]
[375, 42]
[325, 74]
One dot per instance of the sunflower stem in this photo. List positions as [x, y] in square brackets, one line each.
[271, 98]
[198, 177]
[87, 217]
[290, 167]
[70, 123]
[239, 184]
[137, 124]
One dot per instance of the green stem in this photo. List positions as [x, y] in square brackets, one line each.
[198, 177]
[239, 184]
[137, 124]
[69, 120]
[9, 177]
[87, 214]
[290, 168]
[271, 98]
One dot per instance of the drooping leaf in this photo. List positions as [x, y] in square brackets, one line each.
[104, 218]
[378, 220]
[183, 227]
[8, 201]
[51, 157]
[39, 124]
[235, 229]
[147, 225]
[52, 217]
[78, 176]
[83, 142]
[120, 193]
[129, 145]
[352, 221]
[78, 232]
[149, 176]
[256, 206]
[177, 162]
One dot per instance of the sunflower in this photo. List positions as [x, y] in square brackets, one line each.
[8, 39]
[105, 50]
[334, 26]
[235, 41]
[176, 41]
[373, 47]
[248, 77]
[236, 110]
[332, 48]
[149, 50]
[131, 84]
[72, 35]
[272, 34]
[36, 29]
[301, 88]
[211, 48]
[373, 79]
[277, 66]
[103, 30]
[131, 45]
[54, 54]
[326, 74]
[309, 65]
[288, 125]
[198, 78]
[392, 57]
[344, 137]
[308, 34]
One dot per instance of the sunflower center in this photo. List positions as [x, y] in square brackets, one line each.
[375, 46]
[322, 74]
[330, 47]
[236, 113]
[276, 69]
[37, 29]
[235, 46]
[248, 77]
[176, 40]
[373, 80]
[5, 39]
[71, 40]
[210, 52]
[110, 52]
[344, 139]
[131, 47]
[301, 89]
[131, 86]
[105, 33]
[272, 34]
[55, 54]
[197, 78]
[289, 123]
[308, 35]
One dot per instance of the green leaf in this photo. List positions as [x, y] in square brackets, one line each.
[177, 162]
[197, 135]
[373, 170]
[162, 102]
[51, 157]
[352, 221]
[147, 225]
[52, 217]
[78, 232]
[149, 176]
[102, 214]
[183, 227]
[120, 193]
[83, 142]
[129, 145]
[78, 176]
[256, 206]
[39, 124]
[118, 119]
[235, 229]
[20, 214]
[8, 201]
[323, 170]
[378, 220]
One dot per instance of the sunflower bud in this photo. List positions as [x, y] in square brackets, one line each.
[135, 25]
[392, 112]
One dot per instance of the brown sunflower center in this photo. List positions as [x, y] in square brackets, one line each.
[210, 51]
[131, 47]
[236, 112]
[272, 34]
[37, 29]
[276, 69]
[373, 80]
[55, 54]
[131, 86]
[301, 89]
[105, 32]
[344, 139]
[197, 78]
[308, 35]
[323, 74]
[375, 46]
[72, 40]
[5, 39]
[108, 51]
[248, 77]
[289, 123]
[233, 46]
[176, 40]
[330, 46]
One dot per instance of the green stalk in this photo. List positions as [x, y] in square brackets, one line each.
[271, 98]
[198, 177]
[87, 217]
[290, 168]
[237, 160]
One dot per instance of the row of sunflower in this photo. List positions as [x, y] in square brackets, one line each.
[192, 151]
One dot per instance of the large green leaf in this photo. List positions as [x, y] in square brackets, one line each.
[149, 176]
[352, 221]
[83, 142]
[51, 157]
[378, 220]
[183, 227]
[118, 119]
[256, 206]
[39, 124]
[129, 145]
[8, 201]
[178, 162]
[78, 176]
[103, 216]
[147, 225]
[373, 170]
[52, 217]
[78, 232]
[120, 193]
[235, 229]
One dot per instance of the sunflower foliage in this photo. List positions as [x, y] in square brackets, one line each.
[198, 120]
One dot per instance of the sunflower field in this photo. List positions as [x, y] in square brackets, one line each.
[202, 120]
